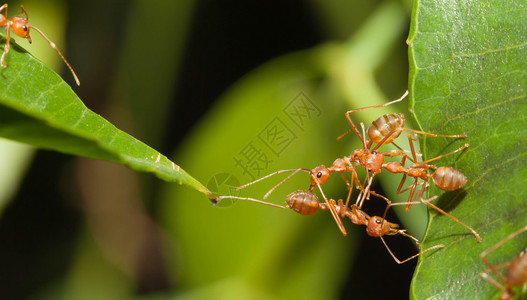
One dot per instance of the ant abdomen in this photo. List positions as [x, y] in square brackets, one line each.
[383, 126]
[448, 178]
[516, 274]
[303, 202]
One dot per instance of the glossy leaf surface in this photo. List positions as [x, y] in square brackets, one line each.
[469, 74]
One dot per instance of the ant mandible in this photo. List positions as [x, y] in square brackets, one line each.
[516, 273]
[20, 27]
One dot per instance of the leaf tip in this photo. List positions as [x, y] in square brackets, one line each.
[213, 199]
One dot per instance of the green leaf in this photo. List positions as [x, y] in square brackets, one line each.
[38, 108]
[469, 74]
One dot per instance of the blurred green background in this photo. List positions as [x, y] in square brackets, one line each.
[231, 91]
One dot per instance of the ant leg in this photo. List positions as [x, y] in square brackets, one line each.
[410, 142]
[348, 185]
[251, 199]
[381, 105]
[333, 211]
[403, 232]
[56, 49]
[353, 127]
[402, 203]
[343, 213]
[494, 247]
[381, 142]
[427, 202]
[495, 283]
[366, 192]
[400, 148]
[8, 28]
[393, 153]
[497, 267]
[7, 39]
[411, 257]
[412, 148]
[355, 180]
[412, 192]
[403, 180]
[443, 155]
[382, 197]
[387, 206]
[433, 134]
[491, 280]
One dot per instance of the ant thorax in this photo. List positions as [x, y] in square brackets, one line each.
[371, 161]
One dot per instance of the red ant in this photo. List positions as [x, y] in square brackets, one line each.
[318, 175]
[20, 27]
[445, 178]
[387, 128]
[516, 273]
[306, 203]
[378, 227]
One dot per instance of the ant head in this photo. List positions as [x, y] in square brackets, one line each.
[20, 27]
[320, 175]
[378, 227]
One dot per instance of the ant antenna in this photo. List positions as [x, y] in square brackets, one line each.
[284, 180]
[270, 175]
[411, 257]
